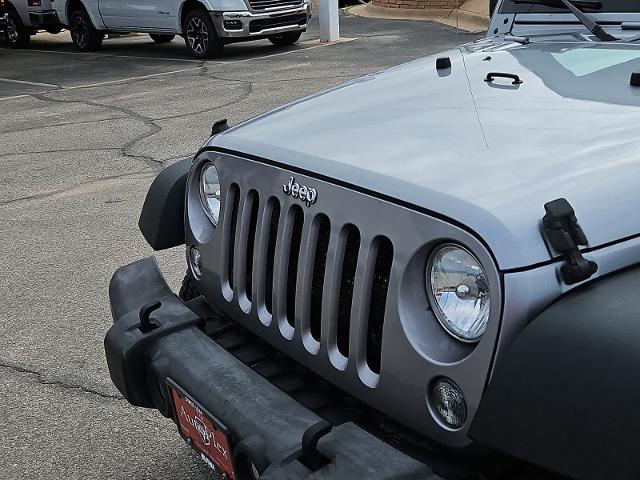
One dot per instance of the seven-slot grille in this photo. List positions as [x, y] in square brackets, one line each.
[273, 4]
[307, 273]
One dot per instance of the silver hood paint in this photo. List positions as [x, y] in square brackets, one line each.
[486, 155]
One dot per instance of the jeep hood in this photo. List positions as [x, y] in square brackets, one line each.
[488, 155]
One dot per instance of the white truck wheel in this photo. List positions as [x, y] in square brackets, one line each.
[85, 36]
[200, 35]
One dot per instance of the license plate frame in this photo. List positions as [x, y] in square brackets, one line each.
[202, 430]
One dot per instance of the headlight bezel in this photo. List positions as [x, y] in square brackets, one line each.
[205, 167]
[438, 313]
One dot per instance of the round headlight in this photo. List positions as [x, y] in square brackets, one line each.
[210, 192]
[458, 290]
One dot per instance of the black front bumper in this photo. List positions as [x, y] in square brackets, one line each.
[266, 425]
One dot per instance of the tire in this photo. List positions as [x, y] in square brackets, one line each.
[85, 36]
[159, 38]
[285, 39]
[200, 35]
[16, 34]
[189, 288]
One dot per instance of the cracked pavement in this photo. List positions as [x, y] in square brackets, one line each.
[76, 158]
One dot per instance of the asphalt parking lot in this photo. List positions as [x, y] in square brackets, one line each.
[81, 138]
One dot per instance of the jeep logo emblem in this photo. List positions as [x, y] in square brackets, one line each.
[304, 193]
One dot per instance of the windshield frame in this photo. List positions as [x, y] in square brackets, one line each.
[562, 21]
[509, 7]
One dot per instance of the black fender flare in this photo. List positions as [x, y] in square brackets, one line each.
[565, 395]
[162, 218]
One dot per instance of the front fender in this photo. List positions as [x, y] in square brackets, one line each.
[94, 14]
[214, 6]
[21, 8]
[64, 10]
[61, 10]
[210, 6]
[565, 395]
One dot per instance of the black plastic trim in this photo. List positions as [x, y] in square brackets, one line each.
[491, 76]
[565, 236]
[162, 218]
[443, 63]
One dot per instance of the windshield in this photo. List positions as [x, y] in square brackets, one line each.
[617, 6]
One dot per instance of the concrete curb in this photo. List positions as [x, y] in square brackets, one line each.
[465, 19]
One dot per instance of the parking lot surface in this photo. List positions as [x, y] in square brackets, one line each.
[81, 138]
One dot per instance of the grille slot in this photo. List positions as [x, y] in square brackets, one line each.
[317, 281]
[251, 236]
[271, 253]
[347, 281]
[273, 4]
[379, 290]
[292, 268]
[234, 194]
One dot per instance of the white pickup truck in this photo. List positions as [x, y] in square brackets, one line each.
[23, 18]
[206, 25]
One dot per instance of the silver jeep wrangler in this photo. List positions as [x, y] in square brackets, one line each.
[441, 282]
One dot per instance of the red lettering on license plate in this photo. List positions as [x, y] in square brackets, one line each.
[205, 433]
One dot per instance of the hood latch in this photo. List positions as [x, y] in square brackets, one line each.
[565, 236]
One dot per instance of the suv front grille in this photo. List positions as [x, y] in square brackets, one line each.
[273, 4]
[315, 276]
[335, 283]
[285, 20]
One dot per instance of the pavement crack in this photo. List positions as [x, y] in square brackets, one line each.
[62, 124]
[205, 73]
[77, 186]
[242, 96]
[41, 379]
[126, 149]
[60, 150]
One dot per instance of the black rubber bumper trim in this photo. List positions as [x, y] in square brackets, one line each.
[264, 422]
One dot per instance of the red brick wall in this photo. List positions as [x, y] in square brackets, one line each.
[417, 4]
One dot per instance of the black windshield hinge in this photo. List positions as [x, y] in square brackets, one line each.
[565, 236]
